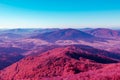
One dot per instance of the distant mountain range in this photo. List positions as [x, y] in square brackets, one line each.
[60, 54]
[65, 34]
[104, 33]
[98, 32]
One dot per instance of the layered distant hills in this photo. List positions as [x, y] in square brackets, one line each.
[104, 33]
[86, 32]
[65, 34]
[60, 54]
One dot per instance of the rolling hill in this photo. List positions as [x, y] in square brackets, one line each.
[104, 33]
[65, 34]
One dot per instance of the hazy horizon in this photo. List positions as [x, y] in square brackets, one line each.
[29, 28]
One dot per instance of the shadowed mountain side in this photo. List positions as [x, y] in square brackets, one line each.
[98, 51]
[85, 48]
[8, 59]
[10, 55]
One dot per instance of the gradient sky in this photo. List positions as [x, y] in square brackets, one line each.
[59, 13]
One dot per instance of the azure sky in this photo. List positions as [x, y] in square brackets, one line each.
[59, 13]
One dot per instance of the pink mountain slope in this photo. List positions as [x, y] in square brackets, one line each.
[59, 62]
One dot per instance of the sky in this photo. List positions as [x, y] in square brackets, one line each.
[59, 13]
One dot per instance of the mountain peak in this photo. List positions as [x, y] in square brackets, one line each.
[64, 34]
[104, 33]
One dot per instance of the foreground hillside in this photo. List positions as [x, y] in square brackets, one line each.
[60, 62]
[109, 72]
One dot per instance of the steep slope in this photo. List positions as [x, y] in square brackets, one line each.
[104, 33]
[57, 62]
[9, 56]
[65, 34]
[8, 59]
